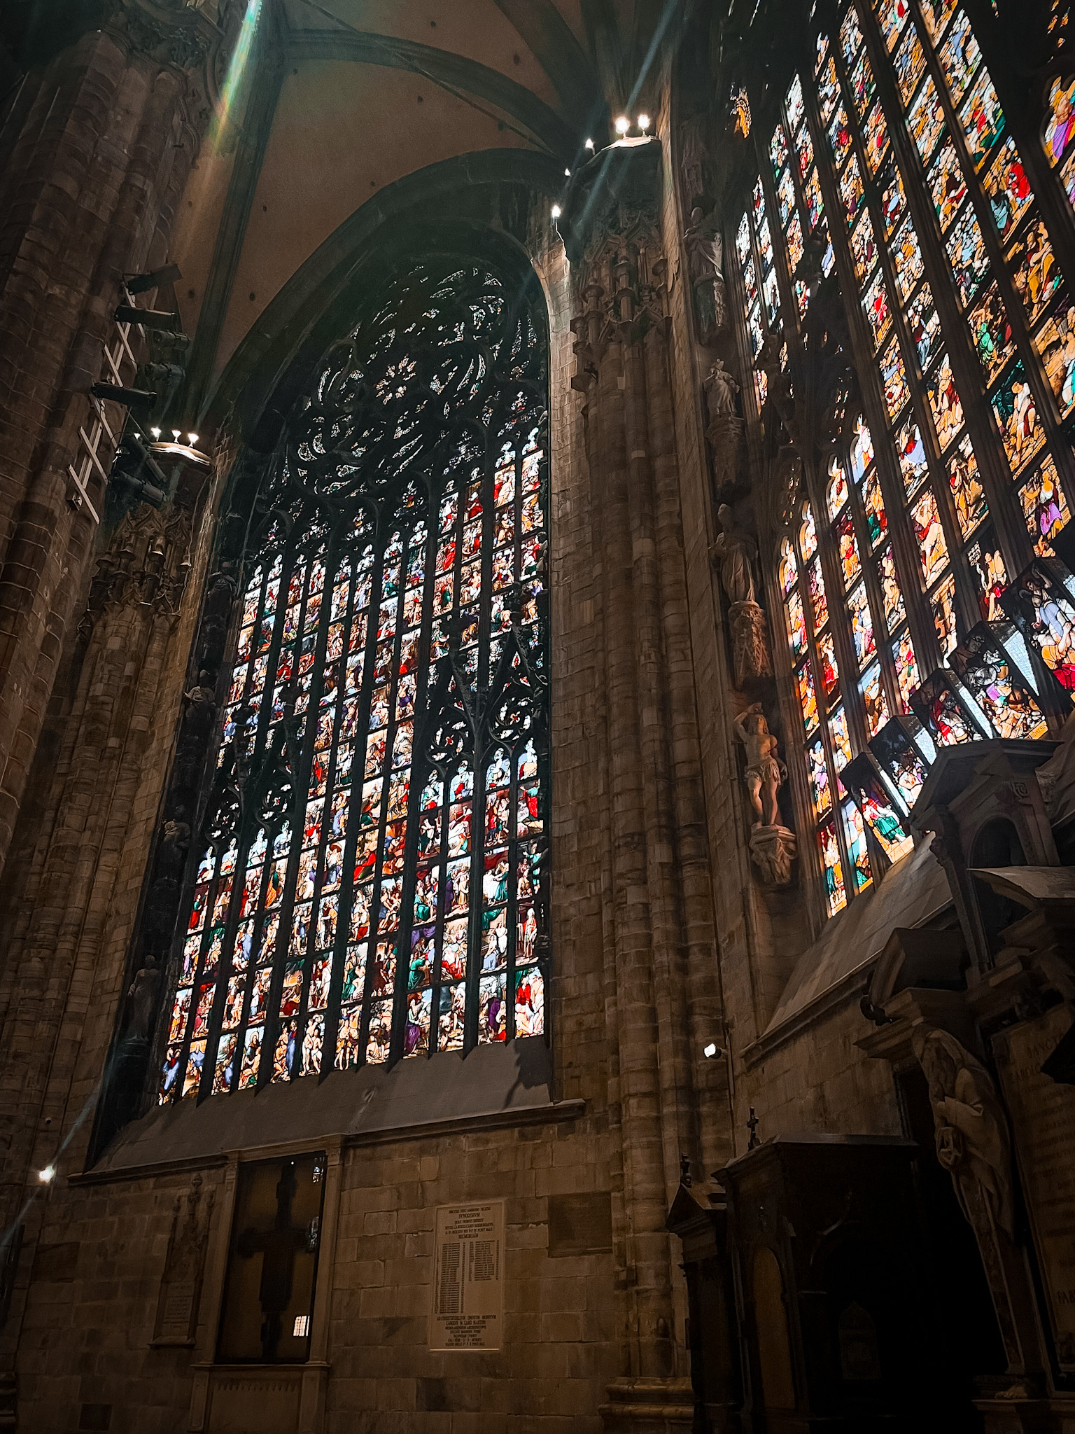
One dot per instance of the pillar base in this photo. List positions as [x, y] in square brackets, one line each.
[649, 1406]
[1011, 1413]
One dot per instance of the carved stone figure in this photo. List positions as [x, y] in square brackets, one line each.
[970, 1128]
[720, 390]
[764, 771]
[704, 249]
[142, 999]
[750, 643]
[772, 849]
[202, 703]
[734, 550]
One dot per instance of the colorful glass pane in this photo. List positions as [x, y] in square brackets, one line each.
[908, 259]
[967, 256]
[828, 89]
[830, 672]
[925, 118]
[850, 566]
[861, 449]
[1035, 272]
[959, 56]
[1059, 128]
[893, 199]
[932, 548]
[819, 779]
[850, 35]
[874, 700]
[875, 303]
[991, 333]
[863, 246]
[906, 665]
[796, 622]
[841, 741]
[1007, 189]
[894, 380]
[891, 592]
[787, 570]
[1044, 506]
[909, 65]
[875, 138]
[945, 403]
[836, 488]
[794, 104]
[987, 567]
[947, 184]
[815, 206]
[778, 150]
[807, 697]
[925, 327]
[796, 248]
[874, 511]
[840, 136]
[785, 196]
[855, 837]
[863, 85]
[911, 452]
[815, 585]
[936, 14]
[892, 16]
[943, 604]
[831, 867]
[742, 240]
[982, 119]
[1055, 343]
[804, 152]
[1017, 417]
[807, 534]
[968, 495]
[858, 609]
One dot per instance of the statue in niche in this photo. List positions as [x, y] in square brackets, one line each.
[734, 551]
[970, 1129]
[142, 999]
[704, 249]
[202, 699]
[772, 845]
[724, 427]
[765, 772]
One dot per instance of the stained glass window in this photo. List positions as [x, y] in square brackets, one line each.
[959, 467]
[368, 882]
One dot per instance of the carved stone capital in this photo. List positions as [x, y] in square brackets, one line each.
[168, 32]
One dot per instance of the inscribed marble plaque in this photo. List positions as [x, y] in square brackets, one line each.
[468, 1277]
[1043, 1128]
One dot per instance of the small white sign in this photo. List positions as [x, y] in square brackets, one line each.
[468, 1277]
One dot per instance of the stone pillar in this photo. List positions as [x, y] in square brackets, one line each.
[98, 144]
[74, 881]
[660, 959]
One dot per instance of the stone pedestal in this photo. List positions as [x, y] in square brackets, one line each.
[773, 850]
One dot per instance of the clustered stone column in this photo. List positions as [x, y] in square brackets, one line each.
[98, 143]
[663, 1000]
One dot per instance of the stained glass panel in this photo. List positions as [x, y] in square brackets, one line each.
[1035, 272]
[331, 912]
[1060, 121]
[1044, 506]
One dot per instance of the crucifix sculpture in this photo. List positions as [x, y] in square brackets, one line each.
[278, 1248]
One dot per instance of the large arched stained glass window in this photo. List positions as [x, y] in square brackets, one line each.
[368, 881]
[889, 159]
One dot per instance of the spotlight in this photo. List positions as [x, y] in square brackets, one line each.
[193, 438]
[175, 434]
[568, 173]
[589, 144]
[711, 1050]
[155, 432]
[643, 123]
[556, 211]
[623, 124]
[47, 1175]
